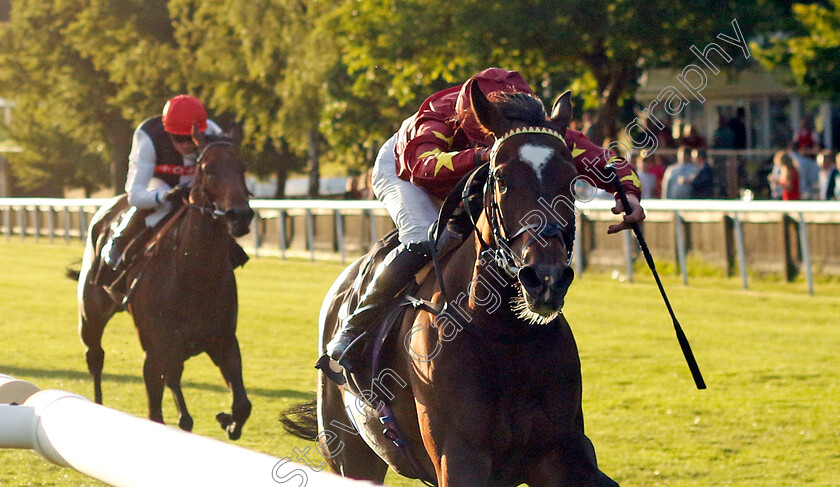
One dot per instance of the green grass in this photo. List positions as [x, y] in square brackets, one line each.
[771, 415]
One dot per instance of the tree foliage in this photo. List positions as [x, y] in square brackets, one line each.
[332, 79]
[813, 51]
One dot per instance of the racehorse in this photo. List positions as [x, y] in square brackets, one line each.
[488, 391]
[183, 300]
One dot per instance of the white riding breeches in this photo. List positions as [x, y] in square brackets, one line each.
[411, 208]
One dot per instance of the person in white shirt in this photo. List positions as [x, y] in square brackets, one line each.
[161, 165]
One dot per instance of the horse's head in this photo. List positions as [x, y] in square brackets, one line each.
[528, 199]
[219, 187]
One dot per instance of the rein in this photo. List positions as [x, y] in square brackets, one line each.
[209, 208]
[502, 255]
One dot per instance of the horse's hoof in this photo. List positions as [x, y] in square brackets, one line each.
[186, 423]
[233, 432]
[224, 420]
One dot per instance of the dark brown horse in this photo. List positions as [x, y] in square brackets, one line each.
[184, 301]
[488, 392]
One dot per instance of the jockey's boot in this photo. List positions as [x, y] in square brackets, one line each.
[133, 223]
[398, 268]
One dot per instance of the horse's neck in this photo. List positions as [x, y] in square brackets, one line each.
[201, 239]
[488, 291]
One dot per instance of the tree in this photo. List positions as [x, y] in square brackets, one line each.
[258, 62]
[811, 49]
[412, 45]
[63, 119]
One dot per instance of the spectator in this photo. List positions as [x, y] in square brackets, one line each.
[788, 179]
[358, 189]
[723, 138]
[656, 166]
[675, 185]
[809, 173]
[692, 139]
[837, 178]
[773, 177]
[806, 136]
[703, 182]
[725, 166]
[739, 129]
[828, 176]
[647, 178]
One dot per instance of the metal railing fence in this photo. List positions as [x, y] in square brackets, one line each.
[775, 236]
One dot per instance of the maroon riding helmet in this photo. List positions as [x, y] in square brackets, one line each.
[490, 80]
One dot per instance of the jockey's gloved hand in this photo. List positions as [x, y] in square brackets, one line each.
[177, 194]
[482, 155]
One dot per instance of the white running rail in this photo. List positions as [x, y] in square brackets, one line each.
[127, 451]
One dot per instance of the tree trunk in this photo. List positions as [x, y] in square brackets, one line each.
[605, 124]
[120, 148]
[282, 176]
[314, 164]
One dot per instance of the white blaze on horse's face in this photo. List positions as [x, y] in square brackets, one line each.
[537, 156]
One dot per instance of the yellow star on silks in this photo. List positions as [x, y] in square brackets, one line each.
[444, 138]
[444, 159]
[576, 152]
[634, 179]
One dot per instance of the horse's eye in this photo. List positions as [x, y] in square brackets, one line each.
[500, 183]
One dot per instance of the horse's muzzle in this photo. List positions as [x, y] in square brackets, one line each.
[545, 287]
[239, 220]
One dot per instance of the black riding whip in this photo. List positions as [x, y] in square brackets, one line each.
[686, 348]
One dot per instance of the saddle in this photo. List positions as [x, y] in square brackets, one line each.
[137, 251]
[360, 380]
[455, 218]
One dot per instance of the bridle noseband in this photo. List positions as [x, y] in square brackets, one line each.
[209, 208]
[502, 255]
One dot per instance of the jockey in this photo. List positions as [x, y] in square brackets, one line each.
[419, 165]
[160, 170]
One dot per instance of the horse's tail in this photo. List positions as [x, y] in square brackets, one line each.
[72, 271]
[301, 420]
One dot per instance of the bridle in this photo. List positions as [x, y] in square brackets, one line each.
[502, 255]
[208, 207]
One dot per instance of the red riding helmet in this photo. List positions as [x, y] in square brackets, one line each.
[490, 80]
[181, 112]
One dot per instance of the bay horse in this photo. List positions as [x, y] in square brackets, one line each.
[487, 392]
[184, 299]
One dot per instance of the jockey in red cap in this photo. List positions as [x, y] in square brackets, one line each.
[160, 169]
[418, 167]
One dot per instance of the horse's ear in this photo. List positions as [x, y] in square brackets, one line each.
[235, 134]
[485, 112]
[561, 112]
[197, 136]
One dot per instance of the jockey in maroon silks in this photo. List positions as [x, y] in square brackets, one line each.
[418, 167]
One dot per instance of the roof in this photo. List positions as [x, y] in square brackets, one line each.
[753, 82]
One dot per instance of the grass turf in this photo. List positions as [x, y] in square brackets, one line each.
[771, 415]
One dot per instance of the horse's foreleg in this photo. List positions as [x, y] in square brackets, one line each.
[95, 309]
[227, 357]
[572, 464]
[173, 381]
[462, 465]
[153, 376]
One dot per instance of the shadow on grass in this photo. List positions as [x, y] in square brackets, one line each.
[27, 372]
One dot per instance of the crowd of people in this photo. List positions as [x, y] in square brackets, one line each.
[681, 169]
[803, 171]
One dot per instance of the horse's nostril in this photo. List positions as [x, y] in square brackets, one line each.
[238, 213]
[530, 279]
[566, 277]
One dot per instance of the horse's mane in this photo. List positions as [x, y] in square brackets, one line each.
[519, 108]
[223, 137]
